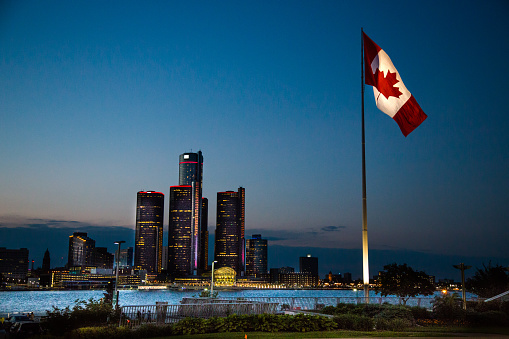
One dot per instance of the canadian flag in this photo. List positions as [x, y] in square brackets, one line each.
[391, 95]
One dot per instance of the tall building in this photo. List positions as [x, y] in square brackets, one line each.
[180, 231]
[80, 250]
[256, 256]
[229, 246]
[14, 263]
[125, 258]
[149, 231]
[191, 174]
[46, 262]
[101, 258]
[204, 253]
[308, 264]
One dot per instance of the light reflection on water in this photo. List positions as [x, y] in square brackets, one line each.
[40, 301]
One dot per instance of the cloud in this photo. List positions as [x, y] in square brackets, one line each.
[332, 228]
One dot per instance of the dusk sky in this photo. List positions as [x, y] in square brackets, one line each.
[99, 98]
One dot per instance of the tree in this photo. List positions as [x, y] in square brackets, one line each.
[403, 281]
[488, 281]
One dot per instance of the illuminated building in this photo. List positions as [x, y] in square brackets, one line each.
[126, 257]
[14, 263]
[308, 264]
[101, 258]
[191, 174]
[204, 253]
[149, 231]
[256, 256]
[180, 231]
[80, 250]
[229, 246]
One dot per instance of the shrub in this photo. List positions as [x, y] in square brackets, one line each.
[448, 307]
[354, 322]
[489, 318]
[420, 313]
[396, 312]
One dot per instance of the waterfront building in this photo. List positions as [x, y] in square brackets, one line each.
[46, 262]
[101, 258]
[229, 244]
[80, 250]
[256, 256]
[308, 264]
[149, 231]
[14, 263]
[298, 279]
[204, 252]
[191, 174]
[126, 257]
[180, 231]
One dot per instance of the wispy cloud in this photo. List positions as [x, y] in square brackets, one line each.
[332, 228]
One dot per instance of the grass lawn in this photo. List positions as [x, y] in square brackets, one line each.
[413, 332]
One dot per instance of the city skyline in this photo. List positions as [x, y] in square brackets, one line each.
[98, 100]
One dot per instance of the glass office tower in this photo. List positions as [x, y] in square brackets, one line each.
[149, 231]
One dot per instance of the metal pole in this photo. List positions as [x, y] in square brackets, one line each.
[463, 267]
[365, 263]
[116, 276]
[212, 281]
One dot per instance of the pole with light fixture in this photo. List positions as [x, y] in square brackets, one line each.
[463, 267]
[212, 280]
[116, 276]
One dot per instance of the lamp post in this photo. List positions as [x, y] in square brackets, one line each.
[212, 280]
[463, 267]
[116, 276]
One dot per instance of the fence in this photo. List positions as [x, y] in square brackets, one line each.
[162, 313]
[317, 303]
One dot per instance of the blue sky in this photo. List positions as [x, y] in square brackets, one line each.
[99, 99]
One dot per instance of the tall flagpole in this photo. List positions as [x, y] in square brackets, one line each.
[365, 264]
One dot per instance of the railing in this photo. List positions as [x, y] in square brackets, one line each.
[317, 303]
[160, 314]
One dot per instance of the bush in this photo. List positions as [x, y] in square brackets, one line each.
[420, 313]
[83, 314]
[489, 318]
[354, 322]
[395, 312]
[448, 308]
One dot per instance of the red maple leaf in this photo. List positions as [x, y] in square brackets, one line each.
[385, 85]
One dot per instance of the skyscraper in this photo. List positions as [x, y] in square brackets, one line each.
[180, 230]
[256, 255]
[191, 174]
[80, 250]
[308, 264]
[46, 262]
[149, 231]
[229, 246]
[204, 252]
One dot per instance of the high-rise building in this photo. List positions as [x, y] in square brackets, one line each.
[229, 246]
[180, 231]
[256, 256]
[125, 258]
[191, 174]
[46, 262]
[101, 258]
[204, 252]
[14, 263]
[80, 250]
[149, 231]
[308, 264]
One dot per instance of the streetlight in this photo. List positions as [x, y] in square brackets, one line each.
[463, 267]
[212, 281]
[116, 277]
